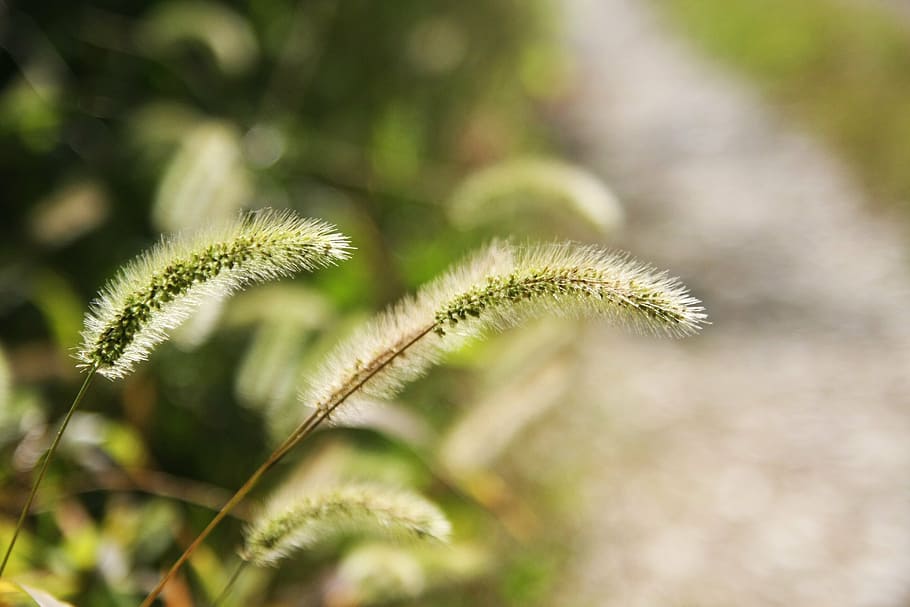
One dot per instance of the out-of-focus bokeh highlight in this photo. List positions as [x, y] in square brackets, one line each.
[757, 148]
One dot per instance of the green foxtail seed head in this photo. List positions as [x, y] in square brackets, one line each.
[529, 184]
[293, 522]
[155, 292]
[566, 279]
[498, 288]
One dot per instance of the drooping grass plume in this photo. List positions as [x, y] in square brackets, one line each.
[226, 34]
[206, 179]
[570, 280]
[303, 520]
[500, 287]
[520, 187]
[158, 290]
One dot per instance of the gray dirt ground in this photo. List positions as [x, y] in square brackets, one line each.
[765, 462]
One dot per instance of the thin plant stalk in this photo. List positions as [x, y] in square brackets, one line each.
[241, 566]
[499, 289]
[45, 464]
[303, 430]
[159, 289]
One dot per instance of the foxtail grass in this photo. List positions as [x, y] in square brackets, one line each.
[310, 517]
[498, 288]
[526, 186]
[303, 516]
[154, 293]
[157, 291]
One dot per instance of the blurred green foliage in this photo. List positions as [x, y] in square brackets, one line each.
[119, 122]
[410, 125]
[840, 67]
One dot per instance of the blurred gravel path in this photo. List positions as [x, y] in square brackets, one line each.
[900, 7]
[766, 462]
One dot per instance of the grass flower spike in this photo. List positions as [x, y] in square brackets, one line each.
[303, 520]
[568, 280]
[157, 291]
[498, 288]
[546, 187]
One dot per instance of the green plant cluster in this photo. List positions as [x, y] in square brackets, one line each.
[118, 124]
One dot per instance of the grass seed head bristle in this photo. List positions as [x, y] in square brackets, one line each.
[294, 522]
[157, 291]
[571, 280]
[498, 288]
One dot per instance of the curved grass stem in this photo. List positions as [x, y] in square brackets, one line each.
[499, 288]
[303, 430]
[241, 566]
[45, 464]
